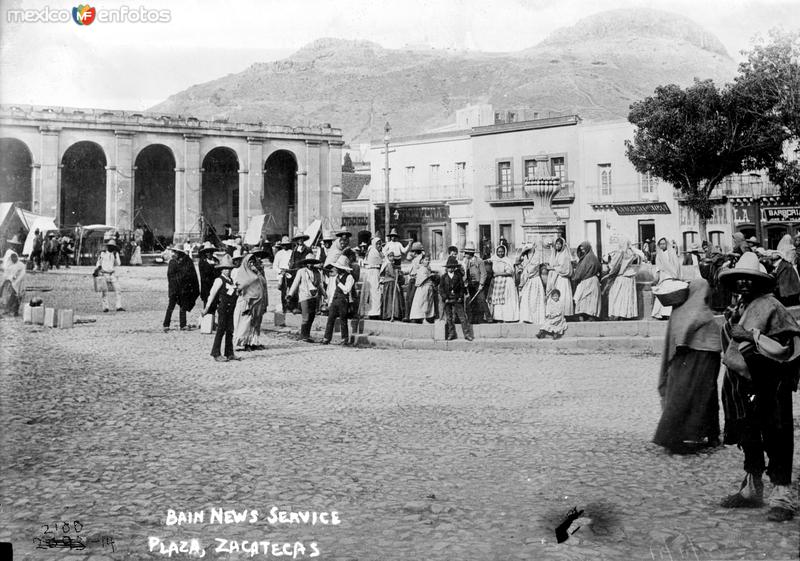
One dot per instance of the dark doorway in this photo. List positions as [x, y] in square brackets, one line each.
[594, 237]
[647, 231]
[15, 173]
[485, 241]
[83, 185]
[220, 192]
[280, 193]
[154, 191]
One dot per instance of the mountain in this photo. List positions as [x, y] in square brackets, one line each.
[595, 68]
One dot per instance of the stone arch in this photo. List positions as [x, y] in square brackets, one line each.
[83, 184]
[280, 193]
[154, 193]
[15, 172]
[219, 191]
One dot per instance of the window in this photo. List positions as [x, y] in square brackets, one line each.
[504, 178]
[409, 177]
[530, 169]
[649, 183]
[433, 175]
[461, 234]
[720, 215]
[715, 239]
[558, 168]
[688, 239]
[604, 178]
[461, 169]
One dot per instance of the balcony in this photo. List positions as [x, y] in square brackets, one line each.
[421, 194]
[517, 194]
[739, 186]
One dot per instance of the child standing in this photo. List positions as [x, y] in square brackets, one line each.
[225, 289]
[555, 324]
[340, 284]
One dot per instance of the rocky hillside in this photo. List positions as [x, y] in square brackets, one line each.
[595, 69]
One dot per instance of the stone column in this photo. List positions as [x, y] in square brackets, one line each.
[244, 217]
[119, 184]
[308, 199]
[190, 198]
[46, 199]
[332, 191]
[36, 183]
[251, 193]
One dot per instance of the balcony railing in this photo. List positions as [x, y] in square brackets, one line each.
[518, 193]
[421, 193]
[739, 186]
[621, 192]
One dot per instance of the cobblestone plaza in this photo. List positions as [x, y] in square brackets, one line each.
[434, 455]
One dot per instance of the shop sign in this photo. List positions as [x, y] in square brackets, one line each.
[348, 221]
[632, 209]
[416, 214]
[782, 214]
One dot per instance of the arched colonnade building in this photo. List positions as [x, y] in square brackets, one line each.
[164, 172]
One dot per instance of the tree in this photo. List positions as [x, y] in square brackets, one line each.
[695, 137]
[348, 163]
[769, 83]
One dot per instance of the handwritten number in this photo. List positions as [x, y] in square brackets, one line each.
[76, 525]
[65, 528]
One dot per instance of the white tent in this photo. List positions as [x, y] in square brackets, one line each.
[43, 223]
[254, 229]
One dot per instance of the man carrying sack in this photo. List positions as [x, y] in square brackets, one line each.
[105, 279]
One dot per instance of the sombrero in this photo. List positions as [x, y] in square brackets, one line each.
[207, 246]
[299, 236]
[343, 263]
[225, 262]
[747, 267]
[328, 236]
[309, 261]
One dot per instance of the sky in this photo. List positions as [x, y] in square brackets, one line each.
[132, 65]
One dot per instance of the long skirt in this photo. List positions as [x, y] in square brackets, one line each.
[690, 409]
[587, 297]
[505, 301]
[532, 302]
[622, 298]
[422, 307]
[555, 326]
[136, 256]
[392, 305]
[246, 327]
[370, 303]
[565, 289]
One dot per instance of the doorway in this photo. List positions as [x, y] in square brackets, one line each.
[437, 244]
[647, 231]
[592, 231]
[485, 241]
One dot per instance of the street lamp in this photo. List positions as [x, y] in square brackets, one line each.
[758, 189]
[386, 130]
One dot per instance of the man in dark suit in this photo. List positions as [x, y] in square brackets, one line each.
[453, 292]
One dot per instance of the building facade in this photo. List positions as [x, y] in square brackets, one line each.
[603, 199]
[167, 173]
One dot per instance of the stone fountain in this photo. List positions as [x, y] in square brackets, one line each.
[542, 226]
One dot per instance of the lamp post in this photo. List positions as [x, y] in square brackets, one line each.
[757, 188]
[386, 130]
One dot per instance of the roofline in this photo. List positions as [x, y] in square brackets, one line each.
[546, 123]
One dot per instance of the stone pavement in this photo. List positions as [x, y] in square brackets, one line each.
[424, 454]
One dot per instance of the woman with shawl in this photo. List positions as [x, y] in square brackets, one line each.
[786, 276]
[13, 287]
[370, 302]
[531, 293]
[622, 303]
[587, 283]
[422, 307]
[503, 293]
[667, 268]
[251, 305]
[687, 382]
[561, 272]
[392, 305]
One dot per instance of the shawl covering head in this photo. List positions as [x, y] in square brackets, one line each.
[667, 262]
[692, 325]
[786, 249]
[588, 266]
[253, 286]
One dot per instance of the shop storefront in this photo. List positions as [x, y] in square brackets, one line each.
[775, 222]
[429, 224]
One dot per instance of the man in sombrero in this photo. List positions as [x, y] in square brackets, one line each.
[761, 342]
[107, 263]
